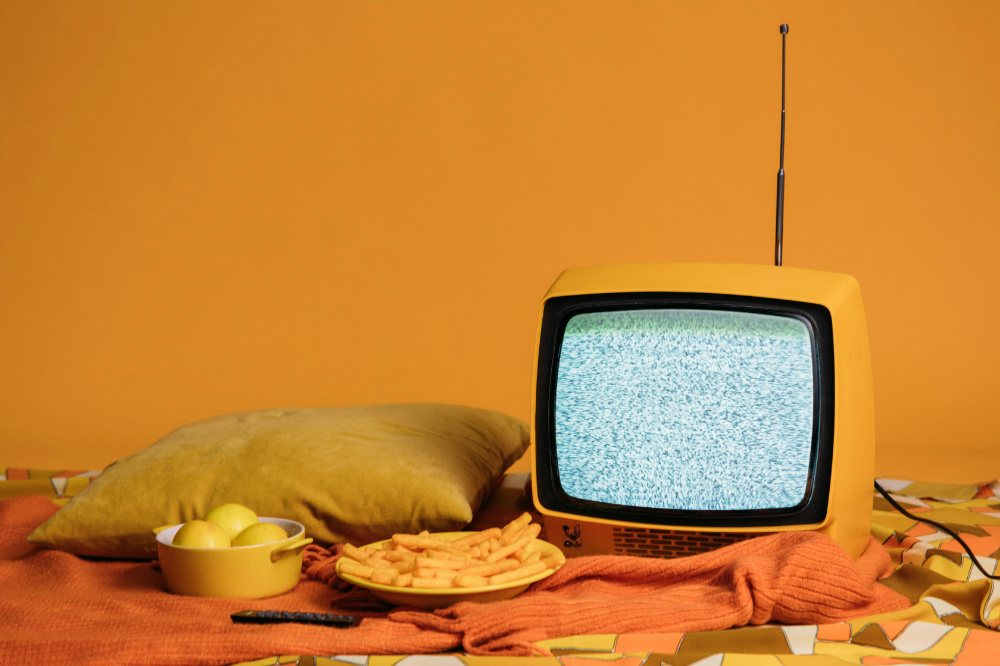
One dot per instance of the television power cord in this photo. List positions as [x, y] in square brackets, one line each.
[944, 528]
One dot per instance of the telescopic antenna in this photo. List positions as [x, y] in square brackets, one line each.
[779, 222]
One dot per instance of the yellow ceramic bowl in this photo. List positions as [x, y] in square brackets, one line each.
[440, 598]
[244, 572]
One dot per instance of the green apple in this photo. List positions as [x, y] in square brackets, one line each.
[201, 534]
[260, 533]
[232, 518]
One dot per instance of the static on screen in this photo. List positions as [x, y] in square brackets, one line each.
[685, 409]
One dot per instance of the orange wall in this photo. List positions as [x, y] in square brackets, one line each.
[223, 206]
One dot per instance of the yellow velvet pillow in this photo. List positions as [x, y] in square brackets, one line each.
[355, 474]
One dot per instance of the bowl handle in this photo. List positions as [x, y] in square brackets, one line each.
[281, 551]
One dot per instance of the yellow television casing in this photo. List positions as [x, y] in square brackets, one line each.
[849, 505]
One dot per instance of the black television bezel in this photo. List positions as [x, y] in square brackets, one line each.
[812, 510]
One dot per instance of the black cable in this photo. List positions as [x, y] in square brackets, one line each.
[941, 527]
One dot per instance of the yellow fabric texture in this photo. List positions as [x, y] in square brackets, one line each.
[354, 474]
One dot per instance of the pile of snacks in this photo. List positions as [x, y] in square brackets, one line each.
[493, 556]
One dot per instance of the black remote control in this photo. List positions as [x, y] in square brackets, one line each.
[262, 617]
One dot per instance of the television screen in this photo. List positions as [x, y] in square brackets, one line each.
[674, 408]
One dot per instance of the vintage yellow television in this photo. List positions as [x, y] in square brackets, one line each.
[682, 407]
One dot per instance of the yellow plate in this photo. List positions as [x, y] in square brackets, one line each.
[440, 598]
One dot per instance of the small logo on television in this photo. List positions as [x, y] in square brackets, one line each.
[572, 536]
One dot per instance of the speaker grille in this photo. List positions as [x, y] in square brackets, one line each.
[671, 543]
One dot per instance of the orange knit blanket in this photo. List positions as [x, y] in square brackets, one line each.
[58, 607]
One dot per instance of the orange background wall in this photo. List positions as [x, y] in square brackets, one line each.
[224, 206]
